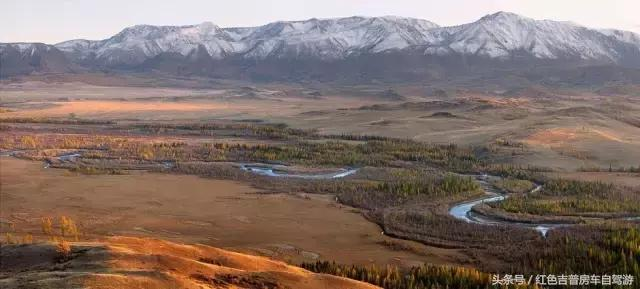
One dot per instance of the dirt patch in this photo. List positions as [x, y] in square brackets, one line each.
[567, 135]
[552, 136]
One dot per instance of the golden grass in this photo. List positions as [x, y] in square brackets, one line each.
[194, 209]
[124, 262]
[92, 107]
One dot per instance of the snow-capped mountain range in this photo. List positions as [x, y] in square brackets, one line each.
[502, 36]
[322, 38]
[496, 36]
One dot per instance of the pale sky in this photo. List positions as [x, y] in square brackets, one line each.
[52, 21]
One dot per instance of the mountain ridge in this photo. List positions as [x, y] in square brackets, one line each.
[494, 35]
[320, 48]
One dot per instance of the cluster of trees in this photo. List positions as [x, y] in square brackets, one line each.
[566, 206]
[302, 146]
[630, 169]
[587, 250]
[241, 129]
[564, 187]
[67, 229]
[328, 153]
[356, 137]
[530, 173]
[427, 185]
[511, 185]
[59, 141]
[151, 151]
[369, 153]
[561, 196]
[397, 190]
[421, 277]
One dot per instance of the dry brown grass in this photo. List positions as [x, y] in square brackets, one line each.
[552, 136]
[565, 135]
[121, 262]
[193, 209]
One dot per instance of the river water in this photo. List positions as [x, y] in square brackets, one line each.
[463, 211]
[272, 171]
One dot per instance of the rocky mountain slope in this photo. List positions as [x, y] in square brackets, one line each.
[25, 58]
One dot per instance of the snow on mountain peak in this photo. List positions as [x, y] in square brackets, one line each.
[502, 34]
[497, 35]
[504, 15]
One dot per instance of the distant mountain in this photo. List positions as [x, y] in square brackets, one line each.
[314, 38]
[25, 58]
[358, 48]
[504, 35]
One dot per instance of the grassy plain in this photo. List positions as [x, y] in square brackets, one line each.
[228, 214]
[160, 159]
[569, 130]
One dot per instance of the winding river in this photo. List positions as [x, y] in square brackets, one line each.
[273, 171]
[463, 211]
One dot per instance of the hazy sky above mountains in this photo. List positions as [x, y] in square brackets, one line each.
[51, 21]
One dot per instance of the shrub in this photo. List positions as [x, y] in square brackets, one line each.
[47, 226]
[63, 251]
[9, 239]
[27, 239]
[68, 228]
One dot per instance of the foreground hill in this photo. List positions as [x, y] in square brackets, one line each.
[124, 262]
